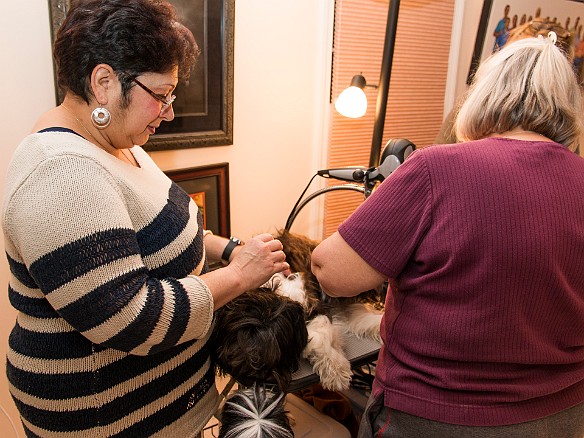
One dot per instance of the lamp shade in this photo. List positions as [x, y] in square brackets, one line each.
[352, 102]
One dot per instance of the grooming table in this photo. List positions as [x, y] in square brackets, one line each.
[358, 351]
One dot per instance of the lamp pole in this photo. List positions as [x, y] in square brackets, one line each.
[383, 88]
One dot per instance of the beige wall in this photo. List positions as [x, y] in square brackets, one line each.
[282, 65]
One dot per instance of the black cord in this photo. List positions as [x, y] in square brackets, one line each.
[290, 218]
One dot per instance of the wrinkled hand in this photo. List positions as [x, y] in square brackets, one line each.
[259, 259]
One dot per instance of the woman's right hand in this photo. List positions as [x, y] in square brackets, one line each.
[259, 259]
[252, 265]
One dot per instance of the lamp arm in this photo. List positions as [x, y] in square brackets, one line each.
[383, 89]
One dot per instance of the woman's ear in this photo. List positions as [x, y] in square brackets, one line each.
[103, 80]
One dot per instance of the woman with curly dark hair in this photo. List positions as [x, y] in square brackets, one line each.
[108, 257]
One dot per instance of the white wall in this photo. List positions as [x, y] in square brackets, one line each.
[467, 15]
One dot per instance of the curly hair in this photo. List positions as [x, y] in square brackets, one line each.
[132, 36]
[259, 337]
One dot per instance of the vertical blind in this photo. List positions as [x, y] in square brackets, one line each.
[416, 90]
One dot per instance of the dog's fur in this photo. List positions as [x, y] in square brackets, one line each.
[260, 336]
[255, 413]
[328, 318]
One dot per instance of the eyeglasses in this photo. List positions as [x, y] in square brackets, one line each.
[166, 101]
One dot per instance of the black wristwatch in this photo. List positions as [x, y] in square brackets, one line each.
[233, 242]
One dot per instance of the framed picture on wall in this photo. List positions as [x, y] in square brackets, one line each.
[498, 17]
[208, 186]
[203, 107]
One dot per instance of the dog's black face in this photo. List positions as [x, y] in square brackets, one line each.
[259, 337]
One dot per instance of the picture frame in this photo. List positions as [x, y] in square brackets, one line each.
[493, 12]
[208, 186]
[204, 106]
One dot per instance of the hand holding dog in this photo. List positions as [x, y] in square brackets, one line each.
[259, 259]
[253, 264]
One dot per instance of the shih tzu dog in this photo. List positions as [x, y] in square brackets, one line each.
[328, 318]
[259, 338]
[261, 335]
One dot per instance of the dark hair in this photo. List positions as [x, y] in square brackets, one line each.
[259, 337]
[132, 36]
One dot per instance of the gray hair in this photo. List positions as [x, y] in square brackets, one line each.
[528, 84]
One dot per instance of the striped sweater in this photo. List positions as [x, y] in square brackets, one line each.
[112, 326]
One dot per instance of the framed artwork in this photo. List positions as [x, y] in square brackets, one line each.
[500, 16]
[208, 186]
[203, 107]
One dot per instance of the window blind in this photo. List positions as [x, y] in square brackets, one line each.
[416, 90]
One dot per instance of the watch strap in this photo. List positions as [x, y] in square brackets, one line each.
[233, 242]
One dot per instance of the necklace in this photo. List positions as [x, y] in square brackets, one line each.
[132, 162]
[80, 123]
[520, 134]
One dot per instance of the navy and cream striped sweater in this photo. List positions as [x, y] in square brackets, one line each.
[113, 322]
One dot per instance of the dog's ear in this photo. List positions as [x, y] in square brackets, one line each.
[298, 250]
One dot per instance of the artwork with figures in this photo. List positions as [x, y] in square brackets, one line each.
[500, 17]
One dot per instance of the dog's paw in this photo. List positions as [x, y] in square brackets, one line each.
[363, 320]
[325, 353]
[335, 374]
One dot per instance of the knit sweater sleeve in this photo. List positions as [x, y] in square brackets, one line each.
[75, 233]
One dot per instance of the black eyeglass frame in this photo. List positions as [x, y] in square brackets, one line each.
[166, 102]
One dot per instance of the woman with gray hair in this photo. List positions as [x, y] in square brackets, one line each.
[482, 242]
[526, 90]
[534, 28]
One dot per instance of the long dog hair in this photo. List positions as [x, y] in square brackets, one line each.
[255, 413]
[260, 336]
[328, 318]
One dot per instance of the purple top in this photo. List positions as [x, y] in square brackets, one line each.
[484, 243]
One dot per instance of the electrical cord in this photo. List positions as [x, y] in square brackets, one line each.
[292, 213]
[300, 205]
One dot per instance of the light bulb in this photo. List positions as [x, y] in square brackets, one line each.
[352, 102]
